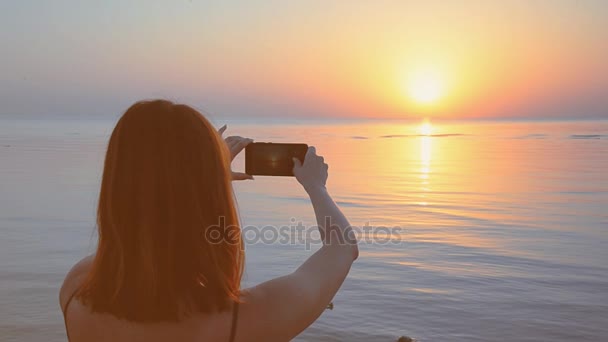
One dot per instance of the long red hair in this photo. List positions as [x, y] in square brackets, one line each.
[166, 185]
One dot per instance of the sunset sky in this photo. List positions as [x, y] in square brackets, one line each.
[368, 59]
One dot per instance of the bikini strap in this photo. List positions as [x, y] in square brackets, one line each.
[235, 318]
[65, 313]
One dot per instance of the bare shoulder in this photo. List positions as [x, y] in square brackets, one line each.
[73, 279]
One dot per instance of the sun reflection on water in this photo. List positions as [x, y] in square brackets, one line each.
[425, 128]
[426, 147]
[426, 152]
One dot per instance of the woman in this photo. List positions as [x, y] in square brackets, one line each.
[157, 276]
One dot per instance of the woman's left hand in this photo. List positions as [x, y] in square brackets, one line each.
[236, 144]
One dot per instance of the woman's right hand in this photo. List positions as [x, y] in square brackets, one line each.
[316, 281]
[312, 174]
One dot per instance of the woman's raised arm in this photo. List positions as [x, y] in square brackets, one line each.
[280, 309]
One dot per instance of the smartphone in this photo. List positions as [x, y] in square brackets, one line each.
[273, 159]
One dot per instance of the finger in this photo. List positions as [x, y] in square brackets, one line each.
[241, 176]
[222, 129]
[240, 145]
[231, 143]
[232, 139]
[296, 163]
[312, 151]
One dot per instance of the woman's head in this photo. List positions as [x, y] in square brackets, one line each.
[165, 191]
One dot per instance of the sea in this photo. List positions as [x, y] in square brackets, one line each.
[469, 231]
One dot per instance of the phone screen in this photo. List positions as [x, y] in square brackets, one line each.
[273, 159]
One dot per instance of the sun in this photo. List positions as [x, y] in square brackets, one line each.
[425, 86]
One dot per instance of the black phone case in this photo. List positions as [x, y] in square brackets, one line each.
[273, 159]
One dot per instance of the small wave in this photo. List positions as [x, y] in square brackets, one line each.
[352, 204]
[397, 136]
[443, 135]
[591, 193]
[588, 136]
[359, 137]
[532, 136]
[305, 200]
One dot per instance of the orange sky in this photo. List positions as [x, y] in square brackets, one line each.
[488, 59]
